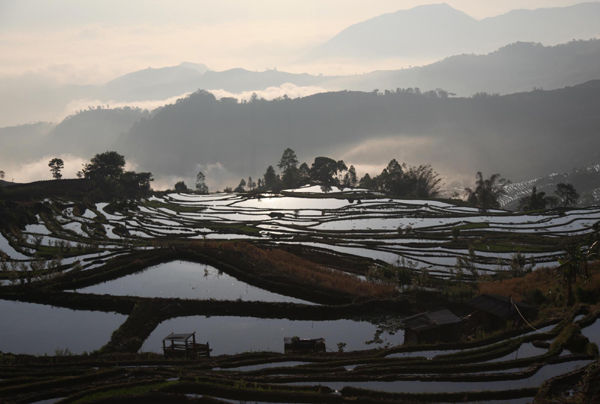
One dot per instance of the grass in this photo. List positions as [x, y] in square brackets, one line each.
[546, 281]
[281, 263]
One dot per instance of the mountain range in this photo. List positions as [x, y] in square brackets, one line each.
[521, 135]
[437, 30]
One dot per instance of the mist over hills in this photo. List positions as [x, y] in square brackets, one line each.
[438, 30]
[521, 135]
[512, 68]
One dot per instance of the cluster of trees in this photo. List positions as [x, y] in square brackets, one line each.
[487, 192]
[107, 170]
[566, 196]
[396, 179]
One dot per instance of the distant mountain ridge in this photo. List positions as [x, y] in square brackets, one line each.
[513, 68]
[438, 30]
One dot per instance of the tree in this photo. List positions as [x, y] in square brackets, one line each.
[487, 192]
[251, 184]
[134, 183]
[200, 183]
[288, 160]
[289, 166]
[2, 174]
[240, 188]
[303, 174]
[421, 182]
[325, 170]
[350, 179]
[271, 179]
[367, 182]
[56, 165]
[567, 193]
[180, 186]
[391, 179]
[105, 167]
[536, 201]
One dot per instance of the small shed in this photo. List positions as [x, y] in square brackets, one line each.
[177, 345]
[431, 327]
[494, 311]
[295, 345]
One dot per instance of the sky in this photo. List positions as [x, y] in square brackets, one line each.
[92, 42]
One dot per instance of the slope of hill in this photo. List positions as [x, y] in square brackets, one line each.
[585, 180]
[520, 135]
[517, 67]
[23, 141]
[438, 30]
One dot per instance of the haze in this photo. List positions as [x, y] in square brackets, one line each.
[93, 42]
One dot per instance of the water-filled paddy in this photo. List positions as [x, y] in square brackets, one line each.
[593, 332]
[186, 280]
[230, 335]
[37, 329]
[416, 386]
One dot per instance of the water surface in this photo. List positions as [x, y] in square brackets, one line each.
[186, 280]
[230, 335]
[38, 329]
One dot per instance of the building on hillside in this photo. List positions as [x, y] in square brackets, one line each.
[494, 311]
[432, 327]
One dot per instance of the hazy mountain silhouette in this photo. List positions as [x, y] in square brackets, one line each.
[522, 135]
[438, 30]
[513, 68]
[129, 86]
[517, 67]
[24, 142]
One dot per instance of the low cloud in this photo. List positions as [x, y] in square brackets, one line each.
[150, 105]
[289, 89]
[38, 170]
[217, 178]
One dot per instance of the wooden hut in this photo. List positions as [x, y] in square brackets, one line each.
[297, 345]
[494, 311]
[432, 327]
[177, 345]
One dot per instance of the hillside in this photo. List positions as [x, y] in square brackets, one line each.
[520, 135]
[586, 181]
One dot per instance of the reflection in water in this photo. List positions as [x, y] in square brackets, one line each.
[38, 329]
[230, 335]
[536, 380]
[186, 280]
[593, 332]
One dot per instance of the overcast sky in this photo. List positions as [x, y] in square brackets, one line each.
[91, 42]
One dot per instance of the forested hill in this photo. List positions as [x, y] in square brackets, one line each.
[520, 135]
[517, 67]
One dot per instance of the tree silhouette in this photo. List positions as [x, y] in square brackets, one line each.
[289, 166]
[105, 166]
[56, 165]
[536, 201]
[201, 184]
[487, 192]
[2, 174]
[180, 186]
[567, 193]
[271, 179]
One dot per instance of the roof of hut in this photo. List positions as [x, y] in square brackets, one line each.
[178, 337]
[429, 320]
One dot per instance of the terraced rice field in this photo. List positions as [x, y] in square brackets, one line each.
[245, 321]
